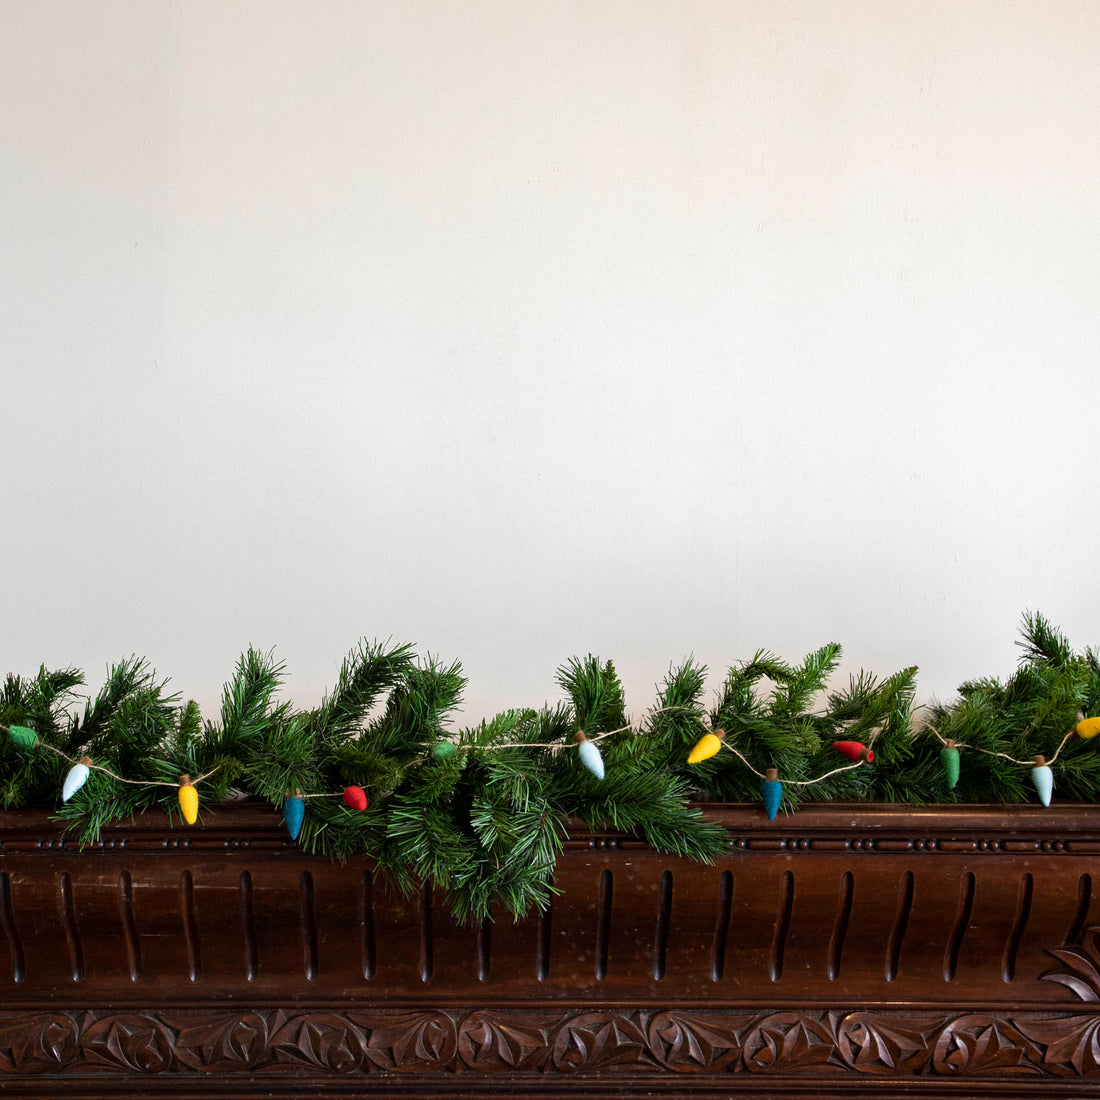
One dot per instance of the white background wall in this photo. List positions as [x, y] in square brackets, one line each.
[519, 330]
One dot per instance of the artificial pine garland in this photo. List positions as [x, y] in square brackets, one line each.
[483, 813]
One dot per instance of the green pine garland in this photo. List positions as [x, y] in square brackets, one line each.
[486, 823]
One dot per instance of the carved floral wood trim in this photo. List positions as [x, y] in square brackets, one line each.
[524, 1043]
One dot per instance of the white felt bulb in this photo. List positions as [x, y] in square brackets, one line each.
[590, 758]
[77, 777]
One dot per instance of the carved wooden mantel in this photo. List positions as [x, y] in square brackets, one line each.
[940, 952]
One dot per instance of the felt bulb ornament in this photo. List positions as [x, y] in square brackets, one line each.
[444, 750]
[771, 791]
[854, 751]
[76, 778]
[949, 758]
[1088, 728]
[1043, 778]
[189, 800]
[706, 747]
[23, 735]
[294, 813]
[355, 798]
[589, 754]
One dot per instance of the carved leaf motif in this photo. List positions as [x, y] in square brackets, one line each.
[974, 1045]
[598, 1040]
[696, 1042]
[40, 1044]
[789, 1041]
[227, 1042]
[409, 1041]
[1082, 973]
[128, 1041]
[322, 1040]
[494, 1041]
[1072, 1042]
[886, 1044]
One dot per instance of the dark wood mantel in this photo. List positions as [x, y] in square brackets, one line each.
[939, 951]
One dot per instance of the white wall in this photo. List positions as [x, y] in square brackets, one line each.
[524, 330]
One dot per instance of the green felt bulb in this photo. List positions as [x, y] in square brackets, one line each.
[444, 750]
[949, 757]
[24, 735]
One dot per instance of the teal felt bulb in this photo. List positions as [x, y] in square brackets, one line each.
[590, 758]
[1043, 778]
[771, 791]
[294, 813]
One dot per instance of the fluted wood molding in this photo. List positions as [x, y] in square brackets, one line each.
[948, 951]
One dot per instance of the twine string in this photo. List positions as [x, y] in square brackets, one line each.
[557, 746]
[1002, 755]
[798, 782]
[107, 771]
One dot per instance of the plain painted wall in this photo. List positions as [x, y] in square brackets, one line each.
[520, 330]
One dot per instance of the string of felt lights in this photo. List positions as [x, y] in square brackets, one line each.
[354, 797]
[1041, 775]
[771, 789]
[709, 745]
[81, 769]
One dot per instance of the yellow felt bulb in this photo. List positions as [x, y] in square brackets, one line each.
[1088, 728]
[706, 746]
[189, 800]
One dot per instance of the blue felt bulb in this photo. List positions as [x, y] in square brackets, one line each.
[771, 791]
[1043, 778]
[294, 813]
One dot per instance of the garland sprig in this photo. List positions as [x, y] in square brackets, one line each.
[378, 770]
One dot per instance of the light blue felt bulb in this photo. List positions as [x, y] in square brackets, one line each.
[77, 777]
[590, 756]
[294, 813]
[771, 791]
[1043, 778]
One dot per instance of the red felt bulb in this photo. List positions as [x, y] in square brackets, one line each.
[854, 751]
[355, 798]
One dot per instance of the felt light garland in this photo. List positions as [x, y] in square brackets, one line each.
[771, 789]
[1041, 775]
[355, 798]
[81, 771]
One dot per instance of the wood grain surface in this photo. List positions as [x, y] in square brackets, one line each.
[945, 951]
